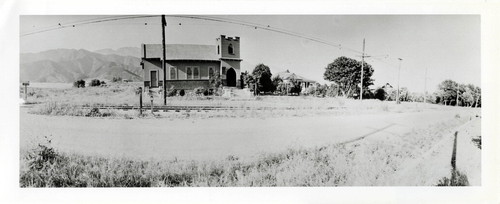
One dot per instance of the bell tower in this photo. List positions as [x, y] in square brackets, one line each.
[228, 50]
[229, 47]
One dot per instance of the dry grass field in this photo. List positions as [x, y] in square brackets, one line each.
[66, 101]
[295, 141]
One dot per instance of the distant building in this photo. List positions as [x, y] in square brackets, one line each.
[287, 76]
[190, 66]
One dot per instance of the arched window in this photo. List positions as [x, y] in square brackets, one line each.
[218, 49]
[210, 72]
[189, 73]
[223, 70]
[230, 49]
[173, 74]
[196, 73]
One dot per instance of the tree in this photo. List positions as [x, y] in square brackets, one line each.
[380, 94]
[477, 97]
[391, 94]
[321, 90]
[263, 75]
[475, 92]
[249, 80]
[346, 72]
[467, 97]
[404, 94]
[276, 81]
[295, 87]
[265, 82]
[447, 90]
[215, 80]
[259, 69]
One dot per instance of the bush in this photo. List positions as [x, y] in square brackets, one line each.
[42, 156]
[331, 91]
[216, 92]
[116, 79]
[79, 84]
[199, 90]
[295, 87]
[320, 90]
[172, 92]
[457, 179]
[215, 80]
[95, 82]
[310, 91]
[54, 108]
[182, 92]
[205, 93]
[477, 141]
[380, 94]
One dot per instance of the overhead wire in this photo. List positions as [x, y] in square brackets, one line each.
[85, 22]
[197, 17]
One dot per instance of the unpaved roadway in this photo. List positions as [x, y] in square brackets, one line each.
[214, 138]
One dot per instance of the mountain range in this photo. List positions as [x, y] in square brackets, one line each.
[69, 65]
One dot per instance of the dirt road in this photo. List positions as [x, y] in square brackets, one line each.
[214, 138]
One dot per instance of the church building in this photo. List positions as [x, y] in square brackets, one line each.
[189, 66]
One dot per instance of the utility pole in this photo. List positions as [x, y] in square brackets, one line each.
[458, 87]
[399, 73]
[362, 67]
[163, 25]
[425, 87]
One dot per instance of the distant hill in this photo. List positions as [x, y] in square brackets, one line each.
[69, 65]
[124, 51]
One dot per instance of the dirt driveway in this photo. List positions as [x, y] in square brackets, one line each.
[214, 138]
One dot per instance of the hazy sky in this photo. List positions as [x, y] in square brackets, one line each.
[447, 45]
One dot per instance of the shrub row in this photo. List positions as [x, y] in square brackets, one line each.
[94, 82]
[55, 108]
[198, 91]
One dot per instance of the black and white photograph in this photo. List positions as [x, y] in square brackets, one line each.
[198, 101]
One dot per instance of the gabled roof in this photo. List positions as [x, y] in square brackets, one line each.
[286, 75]
[181, 52]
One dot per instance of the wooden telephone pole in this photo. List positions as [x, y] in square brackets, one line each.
[425, 87]
[399, 73]
[362, 67]
[163, 25]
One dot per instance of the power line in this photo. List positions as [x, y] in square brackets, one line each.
[197, 17]
[84, 22]
[263, 27]
[208, 18]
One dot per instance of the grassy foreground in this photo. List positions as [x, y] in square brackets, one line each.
[367, 162]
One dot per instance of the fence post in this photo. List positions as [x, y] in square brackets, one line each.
[25, 92]
[454, 153]
[26, 84]
[152, 104]
[140, 100]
